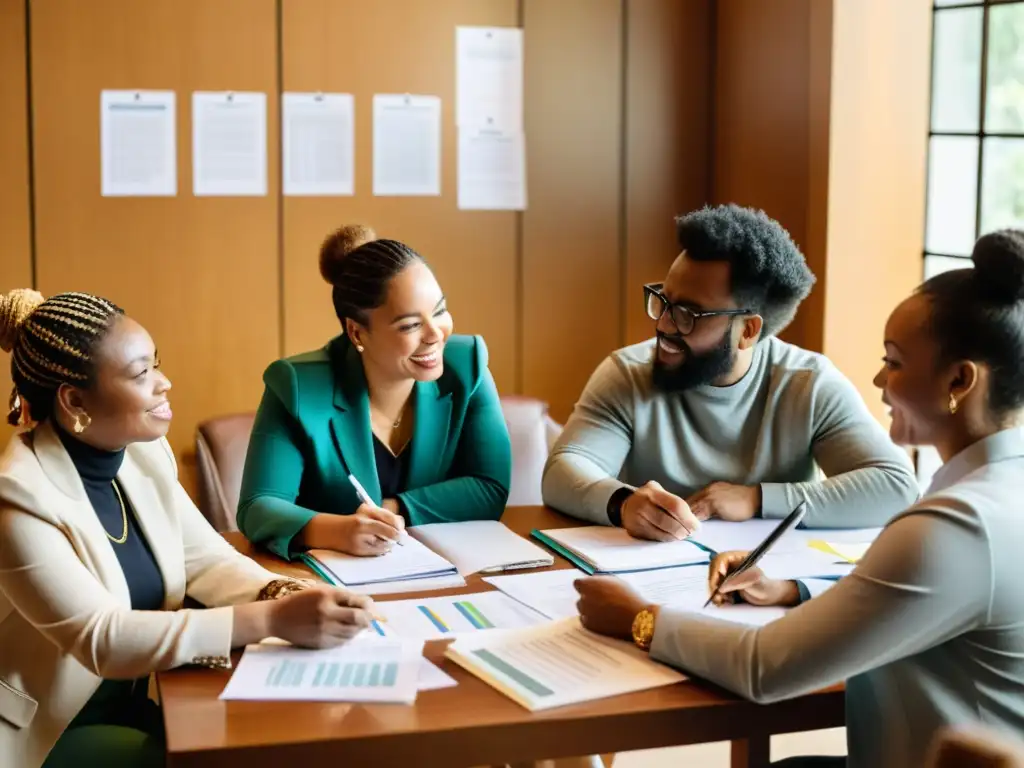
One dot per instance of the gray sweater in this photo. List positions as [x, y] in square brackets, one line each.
[928, 630]
[792, 417]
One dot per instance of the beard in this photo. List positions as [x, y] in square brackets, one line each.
[695, 370]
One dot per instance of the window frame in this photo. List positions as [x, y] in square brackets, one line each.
[981, 134]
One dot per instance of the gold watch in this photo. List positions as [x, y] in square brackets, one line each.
[643, 628]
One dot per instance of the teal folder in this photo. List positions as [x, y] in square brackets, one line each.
[573, 558]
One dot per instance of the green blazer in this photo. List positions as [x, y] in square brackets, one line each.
[313, 429]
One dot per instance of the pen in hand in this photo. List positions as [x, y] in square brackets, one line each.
[791, 521]
[365, 498]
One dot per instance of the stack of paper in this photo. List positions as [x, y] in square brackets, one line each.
[381, 671]
[436, 618]
[481, 546]
[557, 664]
[406, 568]
[601, 549]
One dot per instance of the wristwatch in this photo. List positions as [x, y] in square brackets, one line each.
[643, 628]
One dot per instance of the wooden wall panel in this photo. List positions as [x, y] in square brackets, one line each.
[762, 134]
[668, 138]
[571, 265]
[396, 46]
[15, 223]
[876, 192]
[200, 273]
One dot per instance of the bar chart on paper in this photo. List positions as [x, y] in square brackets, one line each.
[382, 670]
[439, 617]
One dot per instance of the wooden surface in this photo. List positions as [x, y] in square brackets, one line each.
[200, 273]
[15, 222]
[667, 140]
[397, 46]
[471, 724]
[572, 260]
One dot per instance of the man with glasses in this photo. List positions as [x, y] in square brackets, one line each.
[715, 416]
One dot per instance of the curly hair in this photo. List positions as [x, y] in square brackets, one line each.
[768, 272]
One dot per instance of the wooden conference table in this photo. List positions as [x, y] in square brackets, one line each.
[468, 725]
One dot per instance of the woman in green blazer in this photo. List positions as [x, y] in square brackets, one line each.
[397, 401]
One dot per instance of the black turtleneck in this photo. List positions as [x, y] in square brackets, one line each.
[98, 470]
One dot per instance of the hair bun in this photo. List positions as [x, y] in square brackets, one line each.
[999, 265]
[339, 245]
[15, 307]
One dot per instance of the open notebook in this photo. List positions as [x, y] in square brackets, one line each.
[407, 568]
[481, 546]
[601, 549]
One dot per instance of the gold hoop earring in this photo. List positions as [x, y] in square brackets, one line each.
[80, 427]
[953, 405]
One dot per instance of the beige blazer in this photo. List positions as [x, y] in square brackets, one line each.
[65, 614]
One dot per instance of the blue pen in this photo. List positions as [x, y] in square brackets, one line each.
[365, 498]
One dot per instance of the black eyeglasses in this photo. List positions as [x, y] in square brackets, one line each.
[683, 318]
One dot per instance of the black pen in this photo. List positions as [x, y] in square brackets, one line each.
[791, 521]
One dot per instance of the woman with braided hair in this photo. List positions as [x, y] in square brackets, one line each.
[396, 401]
[100, 544]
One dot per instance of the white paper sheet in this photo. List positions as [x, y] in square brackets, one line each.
[687, 589]
[229, 143]
[489, 77]
[492, 170]
[613, 550]
[557, 664]
[475, 546]
[549, 592]
[434, 618]
[318, 143]
[382, 671]
[721, 536]
[433, 678]
[406, 145]
[138, 147]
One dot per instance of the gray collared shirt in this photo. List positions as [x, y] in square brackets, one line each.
[927, 631]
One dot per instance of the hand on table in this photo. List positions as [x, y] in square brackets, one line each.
[608, 605]
[651, 512]
[319, 617]
[726, 501]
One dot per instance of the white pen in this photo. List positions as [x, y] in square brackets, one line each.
[365, 498]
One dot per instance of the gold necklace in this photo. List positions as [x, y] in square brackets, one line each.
[124, 518]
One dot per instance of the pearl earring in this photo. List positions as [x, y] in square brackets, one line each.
[359, 348]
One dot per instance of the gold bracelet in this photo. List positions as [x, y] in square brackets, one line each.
[279, 588]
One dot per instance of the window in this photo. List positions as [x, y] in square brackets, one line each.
[976, 138]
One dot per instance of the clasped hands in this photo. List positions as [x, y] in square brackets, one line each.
[651, 512]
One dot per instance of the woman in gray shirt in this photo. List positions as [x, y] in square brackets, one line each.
[928, 630]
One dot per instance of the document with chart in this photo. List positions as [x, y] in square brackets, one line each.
[435, 618]
[557, 664]
[384, 670]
